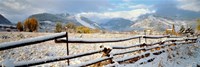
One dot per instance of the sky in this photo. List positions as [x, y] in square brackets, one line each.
[19, 10]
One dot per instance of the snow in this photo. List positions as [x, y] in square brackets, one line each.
[186, 55]
[8, 45]
[78, 18]
[124, 52]
[92, 61]
[164, 22]
[8, 63]
[183, 56]
[126, 58]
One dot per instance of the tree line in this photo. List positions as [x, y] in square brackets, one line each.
[32, 25]
[189, 29]
[29, 25]
[72, 28]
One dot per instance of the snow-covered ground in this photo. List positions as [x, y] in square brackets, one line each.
[183, 56]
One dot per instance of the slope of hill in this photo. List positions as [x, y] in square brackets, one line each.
[117, 24]
[86, 22]
[48, 21]
[157, 23]
[147, 21]
[3, 20]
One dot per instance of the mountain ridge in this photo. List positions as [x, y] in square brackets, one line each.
[4, 20]
[48, 21]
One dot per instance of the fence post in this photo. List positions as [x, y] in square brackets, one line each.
[67, 48]
[145, 40]
[139, 39]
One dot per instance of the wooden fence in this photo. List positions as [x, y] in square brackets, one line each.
[145, 49]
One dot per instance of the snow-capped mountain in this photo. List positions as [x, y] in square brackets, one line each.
[147, 21]
[48, 21]
[157, 23]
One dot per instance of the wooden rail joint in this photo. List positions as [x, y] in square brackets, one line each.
[143, 45]
[106, 50]
[105, 53]
[161, 43]
[173, 40]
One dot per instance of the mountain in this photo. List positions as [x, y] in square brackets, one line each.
[147, 21]
[48, 21]
[88, 23]
[117, 24]
[3, 20]
[157, 23]
[47, 16]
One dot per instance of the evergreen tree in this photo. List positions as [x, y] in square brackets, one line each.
[182, 29]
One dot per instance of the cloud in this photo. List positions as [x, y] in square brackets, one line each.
[131, 15]
[170, 8]
[139, 6]
[191, 5]
[18, 10]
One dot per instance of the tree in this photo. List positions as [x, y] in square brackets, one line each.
[189, 30]
[70, 25]
[173, 29]
[31, 24]
[20, 26]
[182, 29]
[198, 25]
[58, 27]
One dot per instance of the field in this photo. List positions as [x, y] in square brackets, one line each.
[184, 56]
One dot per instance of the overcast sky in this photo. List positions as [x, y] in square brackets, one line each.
[18, 10]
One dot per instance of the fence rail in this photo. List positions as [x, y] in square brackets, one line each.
[79, 40]
[30, 41]
[54, 59]
[107, 55]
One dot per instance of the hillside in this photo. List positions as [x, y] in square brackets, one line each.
[117, 24]
[157, 23]
[4, 20]
[148, 21]
[48, 21]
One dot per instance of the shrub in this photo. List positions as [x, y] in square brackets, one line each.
[83, 29]
[31, 24]
[58, 27]
[95, 30]
[198, 25]
[168, 31]
[20, 26]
